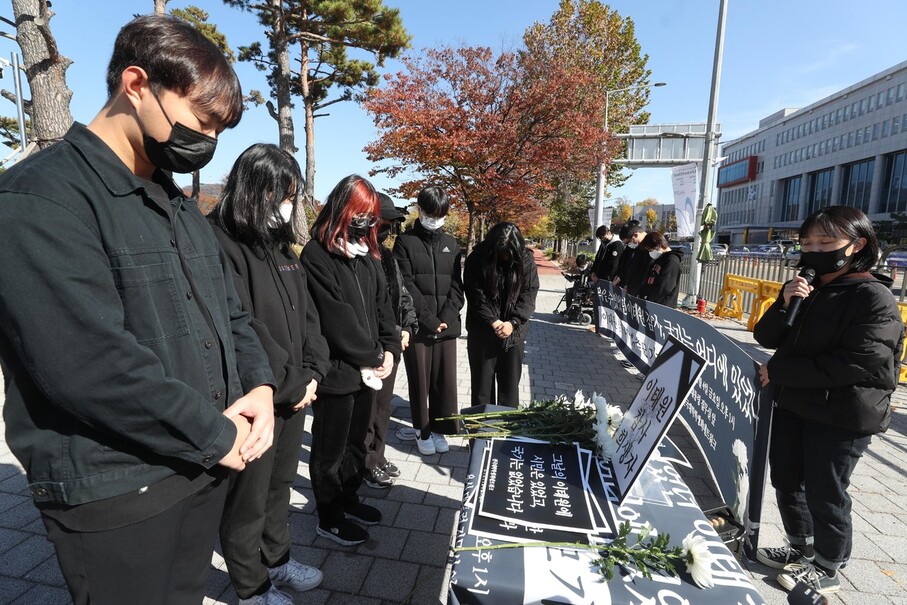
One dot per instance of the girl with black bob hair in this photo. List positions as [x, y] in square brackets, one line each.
[348, 286]
[501, 282]
[833, 371]
[253, 223]
[662, 284]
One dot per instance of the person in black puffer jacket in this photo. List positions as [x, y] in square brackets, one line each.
[663, 282]
[501, 282]
[253, 224]
[832, 374]
[347, 284]
[380, 472]
[430, 261]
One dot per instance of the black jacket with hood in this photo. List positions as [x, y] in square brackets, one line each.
[401, 300]
[430, 262]
[607, 259]
[839, 363]
[663, 282]
[357, 319]
[482, 311]
[272, 287]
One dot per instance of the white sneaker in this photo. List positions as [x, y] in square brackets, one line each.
[440, 442]
[272, 597]
[426, 446]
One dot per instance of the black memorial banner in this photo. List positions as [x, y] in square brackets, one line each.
[561, 576]
[728, 413]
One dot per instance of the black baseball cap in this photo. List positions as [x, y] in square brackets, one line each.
[389, 212]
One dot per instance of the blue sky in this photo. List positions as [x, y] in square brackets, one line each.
[777, 54]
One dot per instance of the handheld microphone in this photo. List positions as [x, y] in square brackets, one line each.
[794, 306]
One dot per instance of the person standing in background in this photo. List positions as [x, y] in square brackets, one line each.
[430, 262]
[347, 285]
[835, 365]
[380, 472]
[608, 255]
[663, 282]
[253, 223]
[125, 350]
[501, 282]
[630, 234]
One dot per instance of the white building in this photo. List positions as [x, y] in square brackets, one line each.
[849, 148]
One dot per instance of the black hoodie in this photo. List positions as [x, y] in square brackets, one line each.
[357, 319]
[272, 287]
[663, 282]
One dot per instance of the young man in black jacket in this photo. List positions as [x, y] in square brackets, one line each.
[124, 347]
[608, 255]
[381, 472]
[430, 261]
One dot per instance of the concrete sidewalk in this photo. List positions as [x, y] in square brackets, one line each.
[405, 562]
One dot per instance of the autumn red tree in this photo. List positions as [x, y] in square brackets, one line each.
[474, 123]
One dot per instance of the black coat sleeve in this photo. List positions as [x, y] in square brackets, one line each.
[662, 284]
[450, 311]
[525, 304]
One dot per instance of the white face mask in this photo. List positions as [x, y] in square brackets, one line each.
[431, 223]
[285, 213]
[655, 254]
[351, 249]
[632, 246]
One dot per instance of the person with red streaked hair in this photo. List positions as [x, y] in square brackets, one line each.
[348, 287]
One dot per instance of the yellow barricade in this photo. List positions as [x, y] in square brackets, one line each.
[903, 375]
[731, 297]
[768, 294]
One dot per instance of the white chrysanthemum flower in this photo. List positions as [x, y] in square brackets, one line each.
[698, 559]
[614, 418]
[604, 441]
[580, 401]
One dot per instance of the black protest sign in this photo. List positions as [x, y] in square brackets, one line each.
[728, 413]
[663, 392]
[536, 484]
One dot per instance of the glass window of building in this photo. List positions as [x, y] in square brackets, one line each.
[895, 125]
[859, 138]
[853, 110]
[885, 126]
[857, 183]
[862, 109]
[889, 98]
[880, 99]
[838, 115]
[819, 190]
[900, 94]
[871, 105]
[790, 199]
[866, 133]
[875, 131]
[894, 185]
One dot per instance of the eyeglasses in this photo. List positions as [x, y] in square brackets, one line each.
[364, 220]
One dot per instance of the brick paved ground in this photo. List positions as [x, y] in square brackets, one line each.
[405, 562]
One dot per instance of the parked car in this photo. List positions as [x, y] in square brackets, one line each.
[683, 247]
[738, 250]
[719, 250]
[769, 250]
[897, 259]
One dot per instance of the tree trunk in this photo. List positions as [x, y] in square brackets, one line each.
[470, 233]
[196, 184]
[45, 69]
[309, 125]
[160, 7]
[282, 76]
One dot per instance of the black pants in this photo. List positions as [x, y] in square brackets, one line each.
[377, 428]
[811, 465]
[254, 530]
[431, 370]
[337, 463]
[163, 560]
[490, 363]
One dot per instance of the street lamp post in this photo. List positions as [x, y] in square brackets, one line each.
[603, 167]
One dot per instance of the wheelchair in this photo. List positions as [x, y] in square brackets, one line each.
[578, 299]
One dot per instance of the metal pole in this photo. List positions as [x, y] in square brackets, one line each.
[600, 186]
[20, 102]
[705, 187]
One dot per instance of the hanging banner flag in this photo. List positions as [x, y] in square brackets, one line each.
[685, 180]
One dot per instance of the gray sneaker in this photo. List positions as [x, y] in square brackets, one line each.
[810, 574]
[296, 576]
[780, 557]
[272, 597]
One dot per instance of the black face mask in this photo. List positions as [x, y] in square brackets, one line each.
[186, 150]
[826, 262]
[384, 232]
[357, 233]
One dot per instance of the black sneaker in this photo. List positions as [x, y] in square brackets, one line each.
[364, 514]
[391, 469]
[344, 533]
[810, 574]
[781, 557]
[378, 479]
